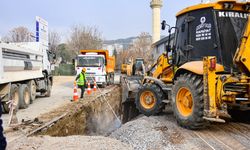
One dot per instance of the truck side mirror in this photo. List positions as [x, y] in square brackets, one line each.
[163, 25]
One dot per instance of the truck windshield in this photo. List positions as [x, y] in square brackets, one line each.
[90, 61]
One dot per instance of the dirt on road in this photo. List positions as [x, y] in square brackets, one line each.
[70, 143]
[146, 133]
[62, 91]
[96, 114]
[94, 117]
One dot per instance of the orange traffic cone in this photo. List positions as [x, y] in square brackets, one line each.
[89, 89]
[94, 89]
[75, 96]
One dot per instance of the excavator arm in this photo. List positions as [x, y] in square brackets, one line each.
[242, 55]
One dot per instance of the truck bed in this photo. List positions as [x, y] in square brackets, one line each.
[18, 63]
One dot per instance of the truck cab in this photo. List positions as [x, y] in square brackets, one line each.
[95, 66]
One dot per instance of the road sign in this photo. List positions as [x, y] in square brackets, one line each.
[42, 34]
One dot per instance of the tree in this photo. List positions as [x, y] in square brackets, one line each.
[84, 37]
[18, 34]
[141, 47]
[54, 41]
[64, 53]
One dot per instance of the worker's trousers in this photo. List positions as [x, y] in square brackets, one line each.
[82, 87]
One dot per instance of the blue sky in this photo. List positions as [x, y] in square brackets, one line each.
[114, 18]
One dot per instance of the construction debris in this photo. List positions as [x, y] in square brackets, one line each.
[46, 125]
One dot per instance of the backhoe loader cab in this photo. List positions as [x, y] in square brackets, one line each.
[210, 30]
[209, 72]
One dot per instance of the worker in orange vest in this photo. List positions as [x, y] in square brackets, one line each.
[81, 81]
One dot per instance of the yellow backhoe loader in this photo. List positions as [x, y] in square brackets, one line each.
[205, 74]
[131, 81]
[133, 67]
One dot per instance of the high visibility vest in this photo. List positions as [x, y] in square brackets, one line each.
[81, 79]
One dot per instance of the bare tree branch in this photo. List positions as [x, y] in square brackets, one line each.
[54, 40]
[84, 37]
[19, 34]
[141, 47]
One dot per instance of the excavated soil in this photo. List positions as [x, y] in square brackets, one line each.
[92, 116]
[86, 125]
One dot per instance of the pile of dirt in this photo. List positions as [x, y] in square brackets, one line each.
[69, 143]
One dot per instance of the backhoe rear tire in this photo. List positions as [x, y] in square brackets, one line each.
[187, 101]
[149, 100]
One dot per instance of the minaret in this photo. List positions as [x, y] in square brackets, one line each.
[156, 20]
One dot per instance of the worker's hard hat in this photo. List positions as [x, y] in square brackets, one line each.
[83, 69]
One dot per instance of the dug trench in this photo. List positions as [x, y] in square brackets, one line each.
[93, 116]
[96, 115]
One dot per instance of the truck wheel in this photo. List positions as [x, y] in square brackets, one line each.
[239, 115]
[32, 90]
[149, 100]
[48, 92]
[188, 103]
[24, 96]
[14, 95]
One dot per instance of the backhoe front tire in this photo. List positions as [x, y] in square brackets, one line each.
[149, 100]
[188, 103]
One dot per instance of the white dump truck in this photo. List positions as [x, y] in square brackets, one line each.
[25, 70]
[99, 64]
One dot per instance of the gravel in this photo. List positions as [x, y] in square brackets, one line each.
[68, 143]
[145, 133]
